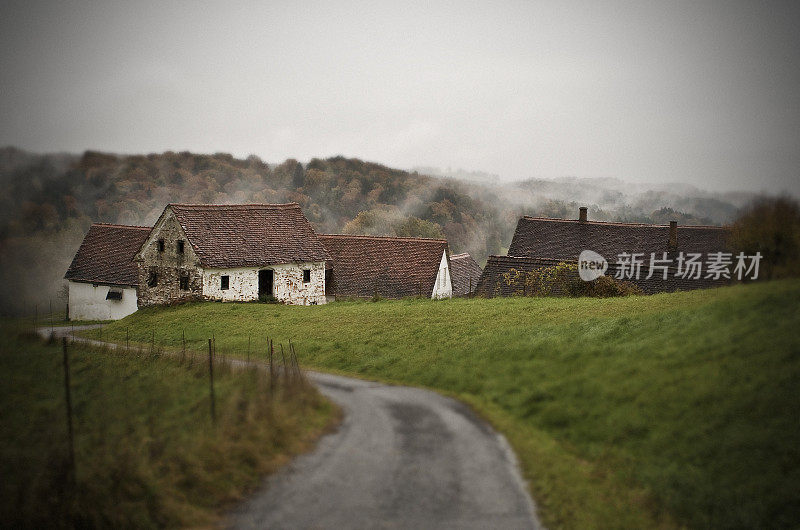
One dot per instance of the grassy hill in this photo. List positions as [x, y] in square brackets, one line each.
[147, 454]
[653, 411]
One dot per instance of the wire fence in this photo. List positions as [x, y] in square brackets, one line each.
[279, 370]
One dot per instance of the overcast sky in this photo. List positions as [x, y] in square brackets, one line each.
[698, 92]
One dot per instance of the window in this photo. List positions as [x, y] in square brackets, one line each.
[161, 245]
[184, 282]
[114, 294]
[152, 279]
[306, 275]
[180, 246]
[224, 282]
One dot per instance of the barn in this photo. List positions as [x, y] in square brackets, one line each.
[102, 278]
[388, 267]
[541, 242]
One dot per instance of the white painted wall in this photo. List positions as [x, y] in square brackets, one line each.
[443, 288]
[87, 301]
[288, 286]
[243, 284]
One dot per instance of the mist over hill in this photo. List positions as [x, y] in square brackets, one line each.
[51, 199]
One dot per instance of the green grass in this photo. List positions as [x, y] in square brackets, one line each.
[652, 411]
[147, 454]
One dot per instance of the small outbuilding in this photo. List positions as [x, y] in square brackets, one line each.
[103, 277]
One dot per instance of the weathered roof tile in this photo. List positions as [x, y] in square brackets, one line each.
[393, 267]
[465, 273]
[106, 255]
[249, 235]
[564, 239]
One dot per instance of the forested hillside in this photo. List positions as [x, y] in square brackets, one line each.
[50, 200]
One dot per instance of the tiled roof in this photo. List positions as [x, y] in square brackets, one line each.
[393, 267]
[564, 239]
[249, 235]
[106, 255]
[465, 273]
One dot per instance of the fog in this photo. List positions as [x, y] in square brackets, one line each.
[702, 93]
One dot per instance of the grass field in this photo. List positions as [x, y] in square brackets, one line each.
[147, 454]
[653, 411]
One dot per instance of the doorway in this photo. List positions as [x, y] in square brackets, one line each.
[265, 280]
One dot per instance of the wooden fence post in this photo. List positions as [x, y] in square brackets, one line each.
[285, 373]
[211, 381]
[293, 359]
[68, 398]
[271, 368]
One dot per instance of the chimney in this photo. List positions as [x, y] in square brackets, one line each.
[673, 236]
[582, 214]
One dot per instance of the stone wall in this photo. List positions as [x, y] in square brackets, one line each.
[168, 266]
[289, 286]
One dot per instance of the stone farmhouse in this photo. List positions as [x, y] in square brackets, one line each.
[543, 242]
[103, 278]
[244, 253]
[232, 253]
[389, 267]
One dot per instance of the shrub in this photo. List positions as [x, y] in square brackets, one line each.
[563, 280]
[771, 226]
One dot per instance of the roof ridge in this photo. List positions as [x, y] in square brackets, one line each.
[645, 265]
[115, 225]
[397, 238]
[506, 256]
[460, 255]
[236, 206]
[615, 223]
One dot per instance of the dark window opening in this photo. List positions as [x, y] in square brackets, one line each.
[152, 279]
[180, 246]
[306, 275]
[224, 282]
[161, 245]
[184, 282]
[114, 294]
